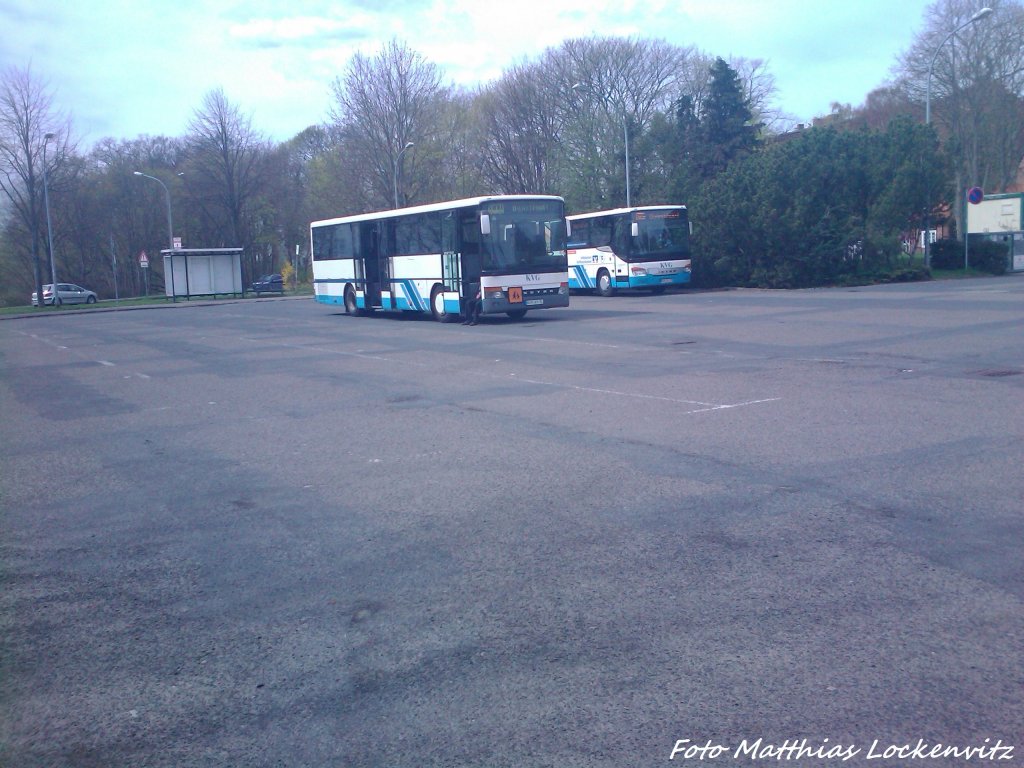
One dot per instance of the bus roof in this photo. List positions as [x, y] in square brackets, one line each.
[634, 209]
[468, 202]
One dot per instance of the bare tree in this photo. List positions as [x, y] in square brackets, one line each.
[759, 91]
[618, 86]
[382, 105]
[522, 116]
[28, 124]
[465, 168]
[128, 212]
[884, 104]
[336, 187]
[225, 172]
[975, 88]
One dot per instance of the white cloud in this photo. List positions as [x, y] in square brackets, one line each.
[130, 67]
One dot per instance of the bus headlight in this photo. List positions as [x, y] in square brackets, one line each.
[563, 289]
[638, 271]
[494, 293]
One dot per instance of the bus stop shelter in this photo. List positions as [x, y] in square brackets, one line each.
[195, 272]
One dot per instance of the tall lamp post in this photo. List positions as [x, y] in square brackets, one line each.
[408, 145]
[978, 16]
[625, 138]
[55, 295]
[167, 194]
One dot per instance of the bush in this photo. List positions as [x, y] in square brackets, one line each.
[988, 256]
[287, 274]
[909, 273]
[947, 254]
[983, 255]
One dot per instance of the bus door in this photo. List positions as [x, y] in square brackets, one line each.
[373, 269]
[451, 271]
[471, 249]
[386, 238]
[622, 242]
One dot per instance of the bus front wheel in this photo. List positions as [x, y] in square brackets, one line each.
[604, 283]
[437, 306]
[351, 308]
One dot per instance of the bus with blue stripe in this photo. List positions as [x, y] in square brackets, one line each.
[642, 247]
[434, 258]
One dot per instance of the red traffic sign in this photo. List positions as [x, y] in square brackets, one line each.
[143, 260]
[975, 195]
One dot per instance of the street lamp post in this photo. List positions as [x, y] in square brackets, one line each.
[55, 295]
[408, 145]
[625, 136]
[978, 16]
[167, 194]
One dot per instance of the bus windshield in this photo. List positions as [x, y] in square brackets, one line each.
[662, 235]
[524, 236]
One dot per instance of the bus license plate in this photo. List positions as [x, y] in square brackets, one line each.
[533, 302]
[515, 295]
[666, 279]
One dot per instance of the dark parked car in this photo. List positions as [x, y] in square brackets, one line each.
[268, 284]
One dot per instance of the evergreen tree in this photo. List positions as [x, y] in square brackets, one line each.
[687, 172]
[726, 122]
[828, 207]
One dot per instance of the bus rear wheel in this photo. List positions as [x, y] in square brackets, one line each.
[604, 283]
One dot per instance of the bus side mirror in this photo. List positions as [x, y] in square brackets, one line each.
[568, 227]
[634, 229]
[485, 224]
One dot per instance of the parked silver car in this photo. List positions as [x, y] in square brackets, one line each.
[67, 293]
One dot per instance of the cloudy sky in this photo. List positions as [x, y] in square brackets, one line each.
[125, 68]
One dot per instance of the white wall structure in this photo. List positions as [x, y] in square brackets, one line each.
[192, 272]
[996, 214]
[1001, 218]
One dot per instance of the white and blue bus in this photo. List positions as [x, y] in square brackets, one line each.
[433, 258]
[644, 247]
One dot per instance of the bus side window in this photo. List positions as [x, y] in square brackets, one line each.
[405, 236]
[601, 231]
[470, 231]
[449, 241]
[580, 237]
[321, 243]
[342, 245]
[430, 233]
[387, 238]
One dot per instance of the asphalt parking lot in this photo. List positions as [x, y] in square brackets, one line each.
[263, 533]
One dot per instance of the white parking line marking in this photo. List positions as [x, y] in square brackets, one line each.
[577, 387]
[566, 341]
[614, 392]
[736, 405]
